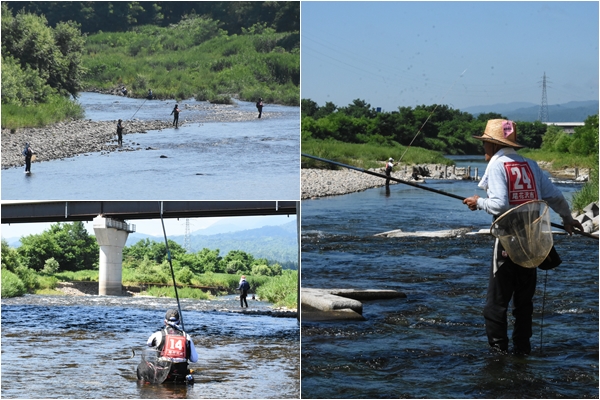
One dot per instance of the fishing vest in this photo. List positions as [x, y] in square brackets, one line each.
[174, 345]
[521, 182]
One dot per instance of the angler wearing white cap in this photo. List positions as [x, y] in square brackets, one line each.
[511, 180]
[388, 170]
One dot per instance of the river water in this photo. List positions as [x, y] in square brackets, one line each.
[248, 160]
[432, 344]
[81, 347]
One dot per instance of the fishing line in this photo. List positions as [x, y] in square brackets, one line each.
[430, 114]
[454, 196]
[171, 265]
[138, 109]
[542, 325]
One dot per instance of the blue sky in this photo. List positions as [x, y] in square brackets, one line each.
[463, 54]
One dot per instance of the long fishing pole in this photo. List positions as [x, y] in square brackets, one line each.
[429, 116]
[136, 111]
[454, 196]
[171, 265]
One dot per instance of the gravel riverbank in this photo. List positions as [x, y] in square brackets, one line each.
[323, 182]
[70, 138]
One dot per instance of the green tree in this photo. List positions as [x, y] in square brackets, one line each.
[55, 54]
[585, 138]
[69, 244]
[10, 258]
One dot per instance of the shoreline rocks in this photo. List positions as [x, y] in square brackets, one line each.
[71, 138]
[325, 182]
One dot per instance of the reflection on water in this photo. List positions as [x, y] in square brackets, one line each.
[432, 344]
[82, 347]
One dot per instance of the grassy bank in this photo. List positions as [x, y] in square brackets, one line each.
[279, 290]
[561, 160]
[55, 110]
[196, 59]
[366, 155]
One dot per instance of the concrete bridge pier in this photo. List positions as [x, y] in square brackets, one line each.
[111, 236]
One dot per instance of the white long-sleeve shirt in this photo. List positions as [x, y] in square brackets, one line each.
[504, 177]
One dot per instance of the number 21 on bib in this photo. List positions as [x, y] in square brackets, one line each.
[521, 183]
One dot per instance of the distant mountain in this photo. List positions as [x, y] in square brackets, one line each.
[275, 243]
[13, 242]
[574, 111]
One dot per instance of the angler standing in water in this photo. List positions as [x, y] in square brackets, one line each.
[28, 153]
[244, 287]
[120, 132]
[175, 114]
[388, 171]
[511, 180]
[176, 345]
[259, 107]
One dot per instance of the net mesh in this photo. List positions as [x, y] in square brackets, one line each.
[153, 368]
[525, 233]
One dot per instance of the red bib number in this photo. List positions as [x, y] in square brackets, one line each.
[521, 183]
[174, 346]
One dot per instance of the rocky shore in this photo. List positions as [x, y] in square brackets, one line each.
[91, 289]
[323, 182]
[70, 138]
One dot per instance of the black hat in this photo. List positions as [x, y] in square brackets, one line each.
[172, 315]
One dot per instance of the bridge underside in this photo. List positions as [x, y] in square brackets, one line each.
[68, 211]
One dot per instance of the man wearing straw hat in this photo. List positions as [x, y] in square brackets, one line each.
[511, 180]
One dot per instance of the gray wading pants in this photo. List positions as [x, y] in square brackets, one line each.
[510, 281]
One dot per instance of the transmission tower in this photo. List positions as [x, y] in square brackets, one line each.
[187, 245]
[543, 115]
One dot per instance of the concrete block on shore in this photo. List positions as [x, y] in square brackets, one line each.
[340, 304]
[439, 234]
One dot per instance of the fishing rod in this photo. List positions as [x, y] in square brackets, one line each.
[454, 196]
[429, 116]
[138, 109]
[171, 264]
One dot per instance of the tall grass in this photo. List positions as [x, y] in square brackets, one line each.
[588, 194]
[176, 64]
[561, 160]
[366, 155]
[281, 290]
[57, 109]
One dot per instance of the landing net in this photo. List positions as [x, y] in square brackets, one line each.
[153, 368]
[525, 233]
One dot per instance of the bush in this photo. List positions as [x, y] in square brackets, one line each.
[11, 285]
[28, 277]
[51, 266]
[281, 290]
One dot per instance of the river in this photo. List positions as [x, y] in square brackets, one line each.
[244, 160]
[432, 344]
[81, 347]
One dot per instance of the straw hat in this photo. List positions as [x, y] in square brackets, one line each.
[500, 131]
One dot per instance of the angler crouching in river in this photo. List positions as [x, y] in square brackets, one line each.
[176, 346]
[511, 180]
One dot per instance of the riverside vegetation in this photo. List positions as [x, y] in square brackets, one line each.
[360, 136]
[173, 50]
[66, 252]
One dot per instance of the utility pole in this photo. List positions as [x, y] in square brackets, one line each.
[543, 114]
